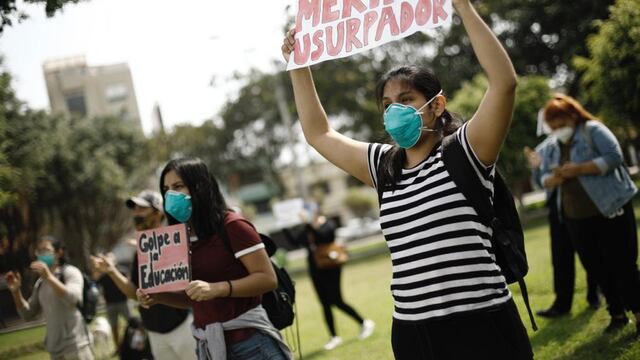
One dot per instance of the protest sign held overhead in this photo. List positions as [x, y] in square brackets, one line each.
[332, 29]
[163, 259]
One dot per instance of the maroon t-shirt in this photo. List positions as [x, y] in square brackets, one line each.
[212, 262]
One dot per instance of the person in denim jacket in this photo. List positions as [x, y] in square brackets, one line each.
[562, 250]
[594, 190]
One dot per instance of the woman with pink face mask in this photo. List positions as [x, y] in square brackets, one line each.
[585, 166]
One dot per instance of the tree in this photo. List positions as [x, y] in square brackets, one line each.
[24, 151]
[541, 38]
[9, 12]
[531, 95]
[95, 165]
[611, 79]
[66, 177]
[360, 202]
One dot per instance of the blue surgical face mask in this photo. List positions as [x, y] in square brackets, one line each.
[404, 123]
[178, 205]
[48, 259]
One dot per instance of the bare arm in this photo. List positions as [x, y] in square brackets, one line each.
[14, 281]
[26, 309]
[104, 265]
[261, 276]
[489, 125]
[261, 279]
[123, 283]
[570, 170]
[346, 153]
[178, 300]
[70, 290]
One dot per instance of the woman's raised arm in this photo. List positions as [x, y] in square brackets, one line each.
[348, 154]
[489, 125]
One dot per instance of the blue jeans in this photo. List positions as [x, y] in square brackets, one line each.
[258, 347]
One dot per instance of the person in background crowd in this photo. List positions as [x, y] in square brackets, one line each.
[115, 300]
[67, 337]
[228, 277]
[586, 167]
[168, 327]
[326, 282]
[562, 251]
[451, 299]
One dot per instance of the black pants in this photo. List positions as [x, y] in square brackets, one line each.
[327, 285]
[609, 248]
[491, 334]
[563, 261]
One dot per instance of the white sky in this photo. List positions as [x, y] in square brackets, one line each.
[174, 48]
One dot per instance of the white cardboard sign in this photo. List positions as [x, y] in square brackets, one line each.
[333, 29]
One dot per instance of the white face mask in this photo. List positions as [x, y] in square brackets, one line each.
[563, 134]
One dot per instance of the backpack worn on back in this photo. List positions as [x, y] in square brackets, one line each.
[501, 216]
[89, 305]
[278, 302]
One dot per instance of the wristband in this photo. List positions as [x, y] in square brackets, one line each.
[230, 288]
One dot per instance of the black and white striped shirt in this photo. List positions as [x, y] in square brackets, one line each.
[442, 258]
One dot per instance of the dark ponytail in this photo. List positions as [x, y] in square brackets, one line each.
[424, 81]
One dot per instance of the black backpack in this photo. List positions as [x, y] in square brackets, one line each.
[88, 307]
[278, 302]
[502, 217]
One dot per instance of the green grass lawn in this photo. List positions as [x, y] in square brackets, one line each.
[366, 286]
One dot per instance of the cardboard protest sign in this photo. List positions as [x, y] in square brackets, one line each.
[163, 259]
[332, 29]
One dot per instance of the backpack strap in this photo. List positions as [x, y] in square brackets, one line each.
[467, 181]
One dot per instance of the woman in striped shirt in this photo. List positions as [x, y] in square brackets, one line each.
[451, 300]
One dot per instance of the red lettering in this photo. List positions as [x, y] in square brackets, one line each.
[307, 9]
[369, 19]
[423, 12]
[299, 56]
[317, 41]
[388, 2]
[353, 25]
[387, 18]
[348, 4]
[373, 4]
[406, 16]
[332, 49]
[327, 14]
[438, 11]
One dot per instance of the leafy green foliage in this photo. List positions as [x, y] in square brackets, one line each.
[611, 80]
[540, 36]
[360, 202]
[67, 177]
[531, 95]
[9, 11]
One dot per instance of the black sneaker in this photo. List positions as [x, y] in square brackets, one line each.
[551, 313]
[616, 324]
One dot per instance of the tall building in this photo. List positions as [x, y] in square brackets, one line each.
[77, 89]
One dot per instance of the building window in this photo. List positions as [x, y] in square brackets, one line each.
[124, 114]
[76, 104]
[116, 93]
